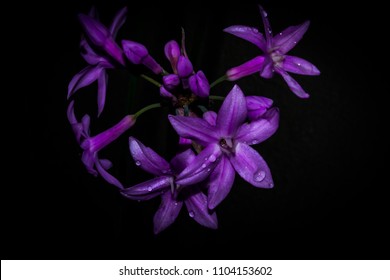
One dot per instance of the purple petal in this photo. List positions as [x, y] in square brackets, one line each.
[250, 34]
[184, 141]
[248, 68]
[70, 113]
[288, 38]
[167, 212]
[199, 84]
[85, 121]
[193, 128]
[259, 130]
[221, 182]
[251, 166]
[171, 81]
[197, 209]
[148, 159]
[134, 51]
[184, 67]
[210, 117]
[90, 55]
[292, 84]
[182, 160]
[149, 189]
[102, 86]
[267, 71]
[201, 167]
[76, 126]
[107, 176]
[89, 159]
[267, 28]
[105, 163]
[150, 63]
[84, 78]
[299, 66]
[166, 94]
[172, 52]
[118, 21]
[257, 106]
[112, 48]
[95, 31]
[232, 113]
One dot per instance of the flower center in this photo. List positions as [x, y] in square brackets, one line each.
[227, 145]
[276, 57]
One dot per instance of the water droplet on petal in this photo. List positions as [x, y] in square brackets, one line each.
[208, 170]
[265, 14]
[150, 189]
[271, 185]
[255, 141]
[280, 33]
[299, 64]
[259, 176]
[295, 42]
[191, 214]
[175, 203]
[203, 165]
[212, 158]
[138, 163]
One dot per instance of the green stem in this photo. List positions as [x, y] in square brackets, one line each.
[150, 80]
[147, 108]
[214, 97]
[219, 80]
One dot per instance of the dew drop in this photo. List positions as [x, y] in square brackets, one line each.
[191, 214]
[203, 165]
[299, 64]
[271, 185]
[255, 141]
[150, 189]
[259, 176]
[212, 158]
[265, 14]
[208, 170]
[138, 163]
[295, 42]
[175, 203]
[280, 33]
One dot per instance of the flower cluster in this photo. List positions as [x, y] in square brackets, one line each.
[212, 146]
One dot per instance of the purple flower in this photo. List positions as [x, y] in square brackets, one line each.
[164, 185]
[92, 145]
[226, 138]
[275, 58]
[97, 63]
[101, 36]
[137, 53]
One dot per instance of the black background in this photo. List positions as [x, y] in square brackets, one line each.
[328, 157]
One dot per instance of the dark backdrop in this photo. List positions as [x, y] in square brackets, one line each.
[328, 158]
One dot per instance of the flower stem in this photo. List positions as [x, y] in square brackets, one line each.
[147, 108]
[214, 97]
[219, 80]
[150, 80]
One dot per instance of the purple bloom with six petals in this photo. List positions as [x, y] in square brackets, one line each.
[164, 185]
[92, 145]
[229, 137]
[97, 62]
[274, 58]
